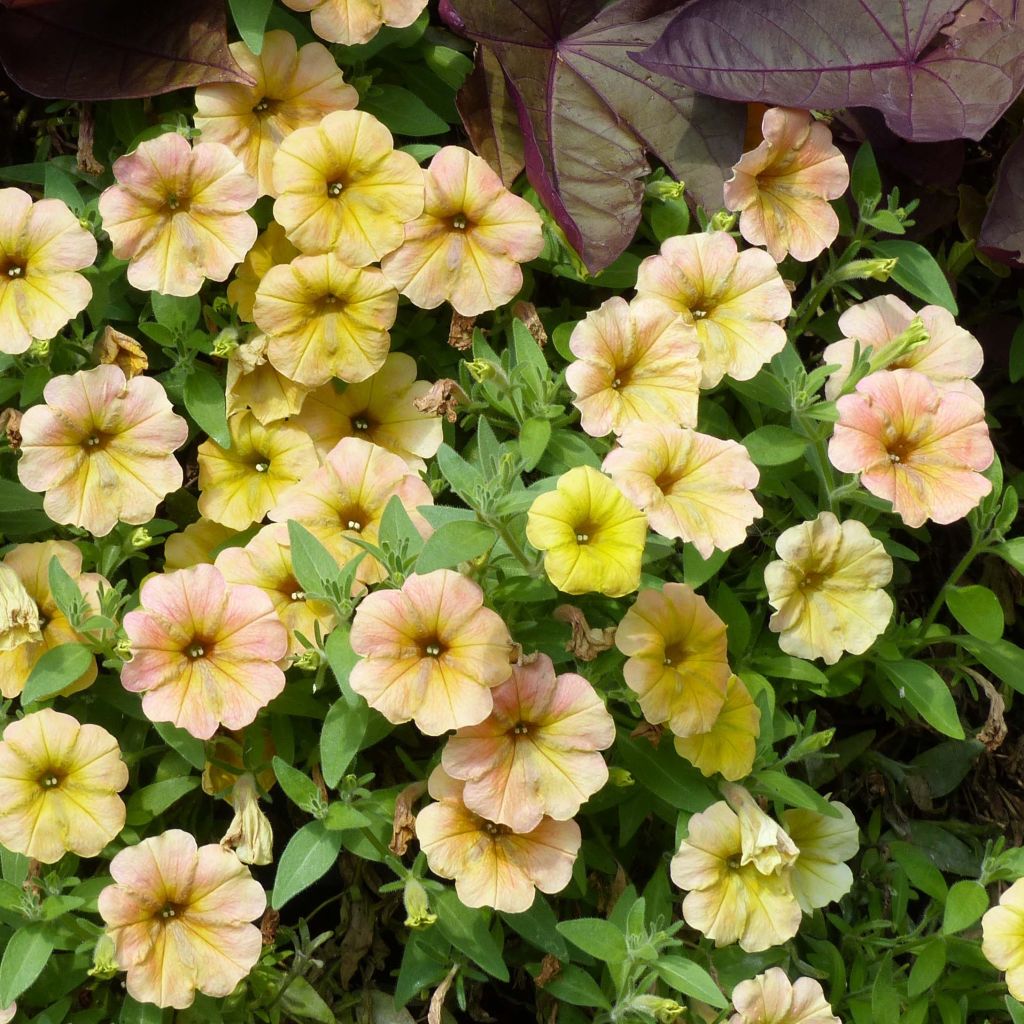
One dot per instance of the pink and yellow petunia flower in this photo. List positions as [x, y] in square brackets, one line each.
[826, 589]
[537, 754]
[352, 22]
[771, 998]
[492, 865]
[730, 745]
[1002, 942]
[325, 319]
[346, 497]
[197, 544]
[271, 249]
[677, 665]
[42, 248]
[240, 484]
[920, 448]
[178, 213]
[635, 362]
[735, 300]
[204, 653]
[292, 88]
[820, 875]
[380, 409]
[342, 187]
[689, 485]
[179, 916]
[101, 448]
[781, 189]
[430, 652]
[59, 785]
[469, 241]
[254, 385]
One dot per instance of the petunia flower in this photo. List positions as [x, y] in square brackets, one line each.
[729, 746]
[42, 248]
[271, 249]
[380, 409]
[492, 865]
[59, 782]
[635, 362]
[342, 187]
[949, 358]
[735, 300]
[203, 653]
[430, 652]
[179, 917]
[763, 841]
[918, 447]
[591, 536]
[292, 88]
[325, 319]
[352, 22]
[240, 484]
[178, 213]
[820, 875]
[266, 562]
[250, 834]
[689, 485]
[254, 385]
[771, 998]
[781, 189]
[469, 241]
[1002, 942]
[19, 614]
[678, 665]
[826, 589]
[537, 754]
[346, 497]
[195, 545]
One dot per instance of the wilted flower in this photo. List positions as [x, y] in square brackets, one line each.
[203, 653]
[19, 615]
[690, 485]
[178, 213]
[729, 746]
[59, 782]
[492, 865]
[1003, 937]
[635, 362]
[820, 875]
[783, 186]
[771, 998]
[826, 588]
[195, 545]
[591, 536]
[179, 917]
[918, 447]
[357, 21]
[467, 245]
[763, 841]
[250, 834]
[254, 385]
[678, 665]
[431, 652]
[42, 246]
[292, 88]
[122, 350]
[735, 300]
[271, 249]
[537, 754]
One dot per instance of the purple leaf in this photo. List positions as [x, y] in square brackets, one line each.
[932, 75]
[588, 112]
[1002, 231]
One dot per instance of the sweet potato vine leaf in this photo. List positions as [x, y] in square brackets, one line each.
[932, 73]
[114, 49]
[588, 113]
[1002, 231]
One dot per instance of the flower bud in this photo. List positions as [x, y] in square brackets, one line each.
[417, 905]
[665, 189]
[104, 965]
[249, 833]
[915, 335]
[723, 221]
[308, 660]
[225, 343]
[19, 616]
[866, 270]
[141, 538]
[765, 843]
[483, 370]
[664, 1011]
[620, 778]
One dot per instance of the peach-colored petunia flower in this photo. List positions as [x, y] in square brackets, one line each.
[271, 249]
[42, 246]
[735, 300]
[826, 588]
[690, 485]
[782, 188]
[677, 664]
[380, 409]
[342, 187]
[203, 652]
[820, 875]
[101, 448]
[1002, 942]
[771, 998]
[468, 243]
[346, 497]
[179, 917]
[31, 564]
[431, 652]
[266, 562]
[949, 358]
[254, 385]
[729, 746]
[635, 362]
[240, 484]
[913, 445]
[325, 319]
[291, 88]
[195, 545]
[178, 213]
[492, 865]
[357, 21]
[536, 755]
[59, 782]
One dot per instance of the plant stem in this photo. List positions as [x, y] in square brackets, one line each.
[513, 545]
[961, 567]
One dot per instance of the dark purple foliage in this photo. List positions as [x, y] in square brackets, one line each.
[1002, 231]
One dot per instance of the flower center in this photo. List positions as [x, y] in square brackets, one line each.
[361, 423]
[94, 442]
[49, 779]
[293, 590]
[496, 830]
[431, 647]
[334, 189]
[459, 222]
[354, 518]
[899, 449]
[676, 654]
[262, 107]
[698, 314]
[169, 911]
[14, 270]
[175, 202]
[622, 377]
[586, 533]
[811, 581]
[195, 650]
[521, 729]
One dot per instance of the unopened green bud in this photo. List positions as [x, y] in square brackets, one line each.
[123, 648]
[141, 538]
[417, 905]
[722, 221]
[225, 343]
[915, 335]
[104, 965]
[666, 189]
[483, 370]
[39, 349]
[308, 660]
[664, 1011]
[620, 777]
[866, 270]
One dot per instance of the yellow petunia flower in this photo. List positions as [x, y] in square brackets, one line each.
[195, 545]
[270, 249]
[352, 22]
[1002, 930]
[254, 385]
[820, 875]
[771, 998]
[728, 747]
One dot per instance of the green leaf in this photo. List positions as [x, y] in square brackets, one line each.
[58, 184]
[1002, 658]
[67, 595]
[23, 510]
[538, 925]
[402, 111]
[341, 736]
[596, 936]
[774, 446]
[146, 803]
[697, 570]
[341, 657]
[397, 529]
[300, 999]
[466, 930]
[314, 566]
[465, 480]
[927, 693]
[669, 217]
[133, 1012]
[250, 17]
[978, 610]
[205, 402]
[691, 979]
[921, 872]
[454, 543]
[309, 855]
[917, 271]
[574, 985]
[865, 181]
[1012, 551]
[795, 793]
[534, 436]
[179, 315]
[57, 669]
[928, 967]
[1016, 1010]
[341, 816]
[191, 749]
[26, 954]
[665, 774]
[299, 788]
[966, 902]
